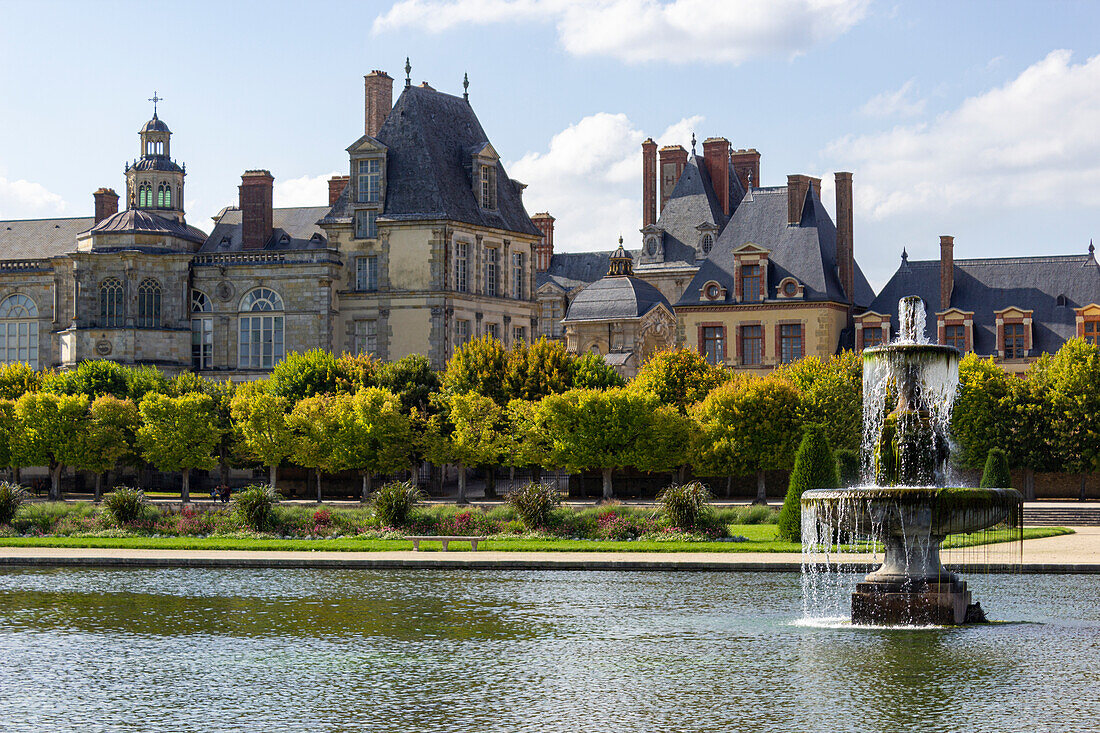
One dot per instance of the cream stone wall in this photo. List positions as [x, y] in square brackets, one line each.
[37, 280]
[672, 282]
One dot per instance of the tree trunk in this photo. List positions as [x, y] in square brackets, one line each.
[272, 475]
[1029, 484]
[55, 481]
[15, 471]
[1082, 495]
[681, 473]
[98, 486]
[461, 483]
[536, 474]
[491, 483]
[511, 478]
[318, 486]
[185, 490]
[608, 493]
[761, 489]
[223, 467]
[729, 486]
[366, 486]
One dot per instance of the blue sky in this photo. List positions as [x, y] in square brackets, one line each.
[980, 120]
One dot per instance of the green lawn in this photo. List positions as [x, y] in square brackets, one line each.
[759, 538]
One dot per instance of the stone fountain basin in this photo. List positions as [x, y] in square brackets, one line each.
[874, 512]
[912, 350]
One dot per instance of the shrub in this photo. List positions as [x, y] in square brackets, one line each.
[254, 506]
[394, 502]
[12, 497]
[996, 474]
[125, 504]
[534, 503]
[684, 505]
[814, 468]
[847, 467]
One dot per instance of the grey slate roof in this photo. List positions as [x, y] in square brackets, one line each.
[156, 124]
[155, 163]
[32, 239]
[140, 220]
[430, 137]
[571, 269]
[299, 224]
[988, 285]
[615, 297]
[691, 203]
[806, 252]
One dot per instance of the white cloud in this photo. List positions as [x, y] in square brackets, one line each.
[304, 191]
[26, 199]
[679, 31]
[590, 179]
[1030, 142]
[897, 103]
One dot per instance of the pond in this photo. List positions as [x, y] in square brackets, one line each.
[422, 650]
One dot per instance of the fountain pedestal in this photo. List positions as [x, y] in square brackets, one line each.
[911, 603]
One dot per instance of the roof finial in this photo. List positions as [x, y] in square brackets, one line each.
[466, 86]
[408, 73]
[750, 179]
[154, 99]
[693, 142]
[620, 240]
[904, 255]
[1092, 249]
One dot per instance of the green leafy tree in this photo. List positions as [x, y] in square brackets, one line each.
[590, 371]
[377, 439]
[414, 382]
[831, 393]
[16, 379]
[528, 440]
[847, 467]
[7, 432]
[671, 435]
[537, 370]
[179, 434]
[479, 366]
[111, 436]
[188, 383]
[309, 374]
[144, 380]
[91, 378]
[996, 474]
[1072, 380]
[358, 371]
[479, 437]
[318, 424]
[814, 468]
[260, 418]
[984, 403]
[680, 377]
[50, 431]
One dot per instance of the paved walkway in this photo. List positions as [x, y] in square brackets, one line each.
[1076, 553]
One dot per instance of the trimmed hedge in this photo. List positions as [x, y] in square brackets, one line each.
[814, 468]
[996, 474]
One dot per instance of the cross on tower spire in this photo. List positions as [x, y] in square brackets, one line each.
[154, 99]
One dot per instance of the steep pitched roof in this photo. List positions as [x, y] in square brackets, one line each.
[691, 203]
[985, 286]
[571, 269]
[299, 224]
[806, 252]
[431, 138]
[33, 239]
[615, 297]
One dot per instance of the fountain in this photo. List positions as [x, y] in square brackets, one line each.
[907, 508]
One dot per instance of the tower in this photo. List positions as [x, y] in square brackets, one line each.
[154, 182]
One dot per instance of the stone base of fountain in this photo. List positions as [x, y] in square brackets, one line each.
[914, 603]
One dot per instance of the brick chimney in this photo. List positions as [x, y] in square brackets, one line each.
[544, 248]
[716, 155]
[845, 246]
[947, 270]
[746, 163]
[797, 187]
[649, 182]
[256, 215]
[377, 100]
[336, 186]
[106, 203]
[673, 160]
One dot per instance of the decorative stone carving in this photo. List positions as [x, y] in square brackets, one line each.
[224, 291]
[103, 347]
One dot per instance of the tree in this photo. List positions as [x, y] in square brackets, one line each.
[478, 366]
[414, 382]
[112, 434]
[301, 375]
[1071, 379]
[996, 474]
[670, 437]
[357, 371]
[91, 378]
[7, 433]
[479, 437]
[983, 406]
[317, 423]
[16, 379]
[143, 380]
[679, 377]
[590, 371]
[260, 418]
[538, 369]
[847, 467]
[749, 425]
[50, 431]
[377, 439]
[179, 434]
[528, 441]
[814, 468]
[831, 395]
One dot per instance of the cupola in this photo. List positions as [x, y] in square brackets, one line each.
[622, 264]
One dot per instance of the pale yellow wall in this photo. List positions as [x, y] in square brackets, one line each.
[409, 258]
[410, 329]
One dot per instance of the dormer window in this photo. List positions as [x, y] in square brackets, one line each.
[488, 179]
[1014, 338]
[370, 181]
[366, 224]
[707, 243]
[750, 283]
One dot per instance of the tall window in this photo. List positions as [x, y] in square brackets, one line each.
[366, 337]
[492, 268]
[1014, 341]
[954, 336]
[202, 332]
[462, 261]
[366, 272]
[519, 333]
[19, 330]
[261, 329]
[752, 345]
[145, 195]
[462, 332]
[493, 330]
[714, 344]
[517, 275]
[790, 342]
[488, 187]
[1092, 332]
[366, 224]
[370, 181]
[164, 196]
[750, 283]
[149, 304]
[110, 303]
[872, 336]
[708, 242]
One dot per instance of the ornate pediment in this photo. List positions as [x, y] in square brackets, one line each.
[366, 144]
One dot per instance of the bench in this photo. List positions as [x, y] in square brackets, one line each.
[446, 540]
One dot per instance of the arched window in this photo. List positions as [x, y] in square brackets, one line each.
[261, 329]
[18, 330]
[110, 302]
[145, 195]
[149, 303]
[202, 332]
[708, 242]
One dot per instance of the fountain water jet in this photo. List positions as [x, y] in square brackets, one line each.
[906, 507]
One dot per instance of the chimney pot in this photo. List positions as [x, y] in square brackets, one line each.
[746, 166]
[649, 182]
[797, 187]
[716, 156]
[377, 100]
[256, 213]
[106, 203]
[673, 160]
[336, 186]
[947, 270]
[544, 248]
[845, 243]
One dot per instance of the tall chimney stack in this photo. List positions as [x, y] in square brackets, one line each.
[336, 186]
[544, 248]
[947, 270]
[106, 203]
[673, 160]
[797, 187]
[716, 155]
[256, 215]
[845, 244]
[377, 100]
[746, 166]
[649, 182]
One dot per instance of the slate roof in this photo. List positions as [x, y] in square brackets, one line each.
[155, 163]
[615, 297]
[32, 239]
[806, 252]
[572, 269]
[691, 203]
[299, 224]
[988, 285]
[155, 125]
[429, 138]
[140, 220]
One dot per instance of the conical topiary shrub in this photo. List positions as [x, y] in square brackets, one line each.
[847, 468]
[814, 468]
[996, 474]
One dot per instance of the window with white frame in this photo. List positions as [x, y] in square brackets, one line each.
[370, 181]
[462, 332]
[366, 337]
[111, 312]
[202, 332]
[462, 262]
[366, 224]
[261, 329]
[488, 187]
[149, 294]
[19, 330]
[366, 272]
[492, 271]
[517, 275]
[493, 330]
[519, 333]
